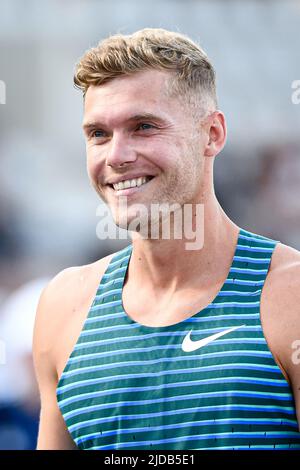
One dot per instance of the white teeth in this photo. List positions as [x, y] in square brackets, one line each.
[139, 181]
[131, 183]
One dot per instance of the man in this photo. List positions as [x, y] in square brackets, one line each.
[160, 346]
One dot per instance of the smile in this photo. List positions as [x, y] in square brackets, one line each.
[131, 183]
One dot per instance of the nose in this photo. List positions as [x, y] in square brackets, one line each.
[120, 151]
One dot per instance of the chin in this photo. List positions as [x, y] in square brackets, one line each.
[133, 224]
[123, 224]
[121, 220]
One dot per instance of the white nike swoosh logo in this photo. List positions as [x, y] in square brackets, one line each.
[188, 345]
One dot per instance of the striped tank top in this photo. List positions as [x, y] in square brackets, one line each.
[130, 386]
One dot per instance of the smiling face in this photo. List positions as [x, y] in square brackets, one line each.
[136, 133]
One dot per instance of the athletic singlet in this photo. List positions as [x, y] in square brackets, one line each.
[130, 386]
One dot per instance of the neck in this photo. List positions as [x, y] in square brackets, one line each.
[167, 265]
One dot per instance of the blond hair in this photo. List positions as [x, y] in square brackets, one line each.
[150, 48]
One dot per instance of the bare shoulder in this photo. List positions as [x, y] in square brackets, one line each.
[62, 308]
[280, 305]
[283, 279]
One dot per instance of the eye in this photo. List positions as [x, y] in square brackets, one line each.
[97, 133]
[144, 126]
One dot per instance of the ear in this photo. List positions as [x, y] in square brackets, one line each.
[216, 134]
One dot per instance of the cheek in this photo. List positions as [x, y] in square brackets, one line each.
[90, 169]
[165, 157]
[89, 172]
[94, 163]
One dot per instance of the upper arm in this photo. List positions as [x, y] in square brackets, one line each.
[53, 433]
[62, 309]
[295, 379]
[281, 306]
[292, 359]
[291, 353]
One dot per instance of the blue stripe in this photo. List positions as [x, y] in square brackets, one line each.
[147, 363]
[239, 293]
[194, 318]
[118, 432]
[108, 275]
[266, 354]
[248, 435]
[255, 249]
[124, 339]
[241, 282]
[246, 353]
[104, 317]
[184, 411]
[108, 304]
[107, 406]
[114, 281]
[120, 259]
[82, 383]
[234, 304]
[221, 293]
[255, 238]
[115, 391]
[133, 326]
[248, 271]
[245, 259]
[111, 292]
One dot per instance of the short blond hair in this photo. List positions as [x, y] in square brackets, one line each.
[151, 48]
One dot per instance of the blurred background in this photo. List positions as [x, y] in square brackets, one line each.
[47, 208]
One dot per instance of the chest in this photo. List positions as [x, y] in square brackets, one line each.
[154, 310]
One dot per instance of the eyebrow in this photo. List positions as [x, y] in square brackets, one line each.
[136, 117]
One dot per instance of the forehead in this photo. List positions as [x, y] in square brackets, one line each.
[128, 95]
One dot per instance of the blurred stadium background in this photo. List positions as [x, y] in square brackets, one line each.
[47, 208]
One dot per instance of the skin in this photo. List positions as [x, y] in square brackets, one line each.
[179, 151]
